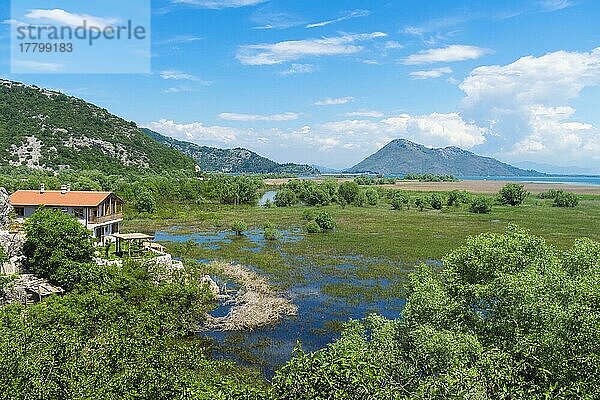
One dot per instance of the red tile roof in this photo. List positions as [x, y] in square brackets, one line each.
[57, 199]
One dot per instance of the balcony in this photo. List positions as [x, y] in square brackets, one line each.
[105, 219]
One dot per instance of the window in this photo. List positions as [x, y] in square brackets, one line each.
[78, 213]
[20, 211]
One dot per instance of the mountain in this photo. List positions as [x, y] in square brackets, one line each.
[47, 130]
[556, 169]
[401, 157]
[236, 160]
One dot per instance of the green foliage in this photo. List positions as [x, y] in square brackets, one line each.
[513, 194]
[458, 197]
[566, 199]
[400, 200]
[365, 180]
[239, 226]
[361, 199]
[550, 194]
[348, 191]
[58, 247]
[145, 202]
[421, 202]
[325, 221]
[308, 214]
[271, 234]
[430, 178]
[286, 198]
[372, 196]
[312, 227]
[480, 205]
[509, 317]
[436, 201]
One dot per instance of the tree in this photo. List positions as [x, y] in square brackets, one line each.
[458, 197]
[480, 205]
[361, 199]
[57, 247]
[271, 233]
[399, 200]
[421, 203]
[312, 227]
[325, 221]
[239, 226]
[285, 198]
[145, 202]
[565, 199]
[349, 191]
[513, 194]
[436, 201]
[372, 196]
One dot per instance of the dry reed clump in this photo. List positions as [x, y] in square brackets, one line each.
[255, 304]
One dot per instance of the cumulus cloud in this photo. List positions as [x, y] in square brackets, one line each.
[334, 102]
[255, 117]
[446, 54]
[526, 104]
[195, 132]
[288, 51]
[431, 74]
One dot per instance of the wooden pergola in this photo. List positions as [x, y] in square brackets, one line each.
[131, 239]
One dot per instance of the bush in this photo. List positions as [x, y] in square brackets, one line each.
[550, 194]
[361, 199]
[312, 227]
[239, 226]
[420, 203]
[400, 200]
[372, 196]
[317, 196]
[271, 234]
[458, 197]
[565, 199]
[325, 221]
[513, 194]
[3, 256]
[436, 201]
[481, 205]
[308, 214]
[285, 198]
[348, 191]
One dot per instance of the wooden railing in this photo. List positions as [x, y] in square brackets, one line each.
[105, 218]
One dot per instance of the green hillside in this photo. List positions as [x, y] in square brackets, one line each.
[236, 160]
[47, 130]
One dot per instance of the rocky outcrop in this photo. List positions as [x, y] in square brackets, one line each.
[5, 209]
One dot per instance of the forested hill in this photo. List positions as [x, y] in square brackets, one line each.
[47, 130]
[236, 160]
[401, 157]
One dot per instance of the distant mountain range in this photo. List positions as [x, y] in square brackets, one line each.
[47, 130]
[401, 157]
[556, 169]
[238, 160]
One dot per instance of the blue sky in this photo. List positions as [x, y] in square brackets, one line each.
[330, 82]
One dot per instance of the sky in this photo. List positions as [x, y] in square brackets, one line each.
[331, 82]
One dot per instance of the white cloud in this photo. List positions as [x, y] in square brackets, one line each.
[177, 76]
[431, 74]
[365, 114]
[528, 104]
[334, 102]
[347, 15]
[281, 52]
[555, 5]
[255, 117]
[195, 132]
[63, 17]
[392, 44]
[38, 66]
[178, 89]
[219, 4]
[296, 69]
[450, 53]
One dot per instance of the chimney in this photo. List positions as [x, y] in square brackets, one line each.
[63, 189]
[42, 188]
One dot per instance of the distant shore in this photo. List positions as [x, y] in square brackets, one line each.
[474, 186]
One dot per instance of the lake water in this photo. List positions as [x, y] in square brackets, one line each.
[575, 180]
[319, 314]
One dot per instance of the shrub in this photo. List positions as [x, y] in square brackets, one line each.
[513, 194]
[317, 196]
[239, 226]
[399, 200]
[457, 197]
[372, 196]
[420, 203]
[308, 214]
[3, 256]
[436, 201]
[145, 202]
[565, 199]
[285, 198]
[550, 194]
[481, 205]
[348, 191]
[361, 199]
[312, 227]
[271, 234]
[325, 221]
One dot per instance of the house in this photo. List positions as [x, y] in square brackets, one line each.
[100, 212]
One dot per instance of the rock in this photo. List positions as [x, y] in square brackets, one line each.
[5, 209]
[212, 285]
